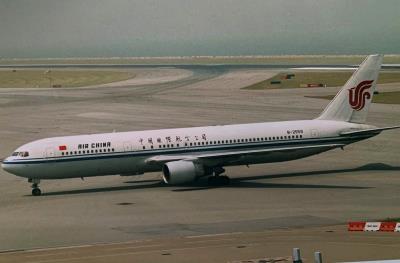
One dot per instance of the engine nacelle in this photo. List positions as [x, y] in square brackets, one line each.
[180, 172]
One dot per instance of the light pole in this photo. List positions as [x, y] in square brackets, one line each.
[47, 73]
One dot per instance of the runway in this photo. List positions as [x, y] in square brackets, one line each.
[360, 183]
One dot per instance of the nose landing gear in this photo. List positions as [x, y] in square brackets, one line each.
[35, 186]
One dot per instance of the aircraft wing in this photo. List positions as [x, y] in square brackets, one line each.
[226, 156]
[369, 131]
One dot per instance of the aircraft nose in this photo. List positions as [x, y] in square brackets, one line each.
[6, 166]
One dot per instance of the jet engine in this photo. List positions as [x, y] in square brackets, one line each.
[180, 172]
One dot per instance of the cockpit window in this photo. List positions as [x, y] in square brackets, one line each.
[22, 154]
[15, 154]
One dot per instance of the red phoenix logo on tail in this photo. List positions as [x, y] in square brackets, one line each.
[358, 94]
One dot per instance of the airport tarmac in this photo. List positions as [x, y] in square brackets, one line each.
[360, 183]
[334, 242]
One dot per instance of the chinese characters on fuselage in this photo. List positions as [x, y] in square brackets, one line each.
[171, 139]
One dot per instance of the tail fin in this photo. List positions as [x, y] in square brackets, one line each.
[353, 100]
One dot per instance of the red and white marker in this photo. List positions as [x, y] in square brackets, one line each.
[374, 226]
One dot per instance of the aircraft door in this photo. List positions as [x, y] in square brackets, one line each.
[314, 133]
[49, 153]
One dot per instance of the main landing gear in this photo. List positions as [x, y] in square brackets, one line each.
[217, 179]
[35, 186]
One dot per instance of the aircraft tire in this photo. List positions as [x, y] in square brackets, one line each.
[218, 180]
[36, 192]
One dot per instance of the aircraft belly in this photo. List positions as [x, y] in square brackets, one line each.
[83, 168]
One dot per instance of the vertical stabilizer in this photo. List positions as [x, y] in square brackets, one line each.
[353, 100]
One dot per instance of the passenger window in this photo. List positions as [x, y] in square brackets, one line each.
[62, 153]
[144, 147]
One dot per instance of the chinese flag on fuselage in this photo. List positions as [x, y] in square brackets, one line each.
[62, 147]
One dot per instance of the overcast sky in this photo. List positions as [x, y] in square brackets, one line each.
[101, 28]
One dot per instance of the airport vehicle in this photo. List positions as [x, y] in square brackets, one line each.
[185, 154]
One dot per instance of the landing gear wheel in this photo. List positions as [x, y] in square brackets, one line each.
[218, 180]
[35, 186]
[225, 179]
[36, 192]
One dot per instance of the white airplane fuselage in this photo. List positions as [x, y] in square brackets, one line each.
[125, 153]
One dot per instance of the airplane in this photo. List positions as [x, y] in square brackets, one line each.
[186, 154]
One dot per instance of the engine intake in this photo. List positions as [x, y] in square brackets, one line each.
[181, 172]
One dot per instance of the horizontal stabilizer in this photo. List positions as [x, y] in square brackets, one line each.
[369, 131]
